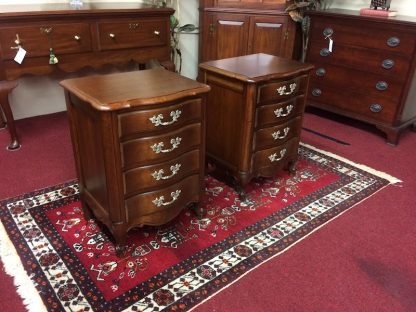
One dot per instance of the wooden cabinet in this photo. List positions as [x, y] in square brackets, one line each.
[245, 27]
[370, 73]
[139, 144]
[254, 115]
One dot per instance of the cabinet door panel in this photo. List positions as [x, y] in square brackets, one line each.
[267, 35]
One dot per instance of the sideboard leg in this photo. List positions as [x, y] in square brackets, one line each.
[5, 88]
[2, 120]
[197, 209]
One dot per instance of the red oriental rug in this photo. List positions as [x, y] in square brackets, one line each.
[61, 262]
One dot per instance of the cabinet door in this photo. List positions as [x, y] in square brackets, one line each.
[229, 35]
[268, 34]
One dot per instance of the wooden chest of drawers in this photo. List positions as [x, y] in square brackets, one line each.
[254, 115]
[370, 73]
[139, 144]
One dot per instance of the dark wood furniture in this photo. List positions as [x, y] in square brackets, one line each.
[370, 74]
[232, 28]
[139, 144]
[254, 115]
[93, 35]
[6, 87]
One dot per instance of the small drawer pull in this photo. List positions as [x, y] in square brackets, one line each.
[320, 72]
[77, 38]
[282, 90]
[157, 119]
[160, 201]
[278, 136]
[382, 85]
[325, 52]
[158, 174]
[328, 32]
[158, 147]
[387, 64]
[376, 108]
[275, 158]
[112, 36]
[157, 32]
[393, 42]
[280, 111]
[316, 92]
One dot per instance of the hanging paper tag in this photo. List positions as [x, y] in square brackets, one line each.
[331, 44]
[20, 55]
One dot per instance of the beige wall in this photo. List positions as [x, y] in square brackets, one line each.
[43, 95]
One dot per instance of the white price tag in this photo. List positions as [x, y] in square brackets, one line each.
[20, 55]
[331, 44]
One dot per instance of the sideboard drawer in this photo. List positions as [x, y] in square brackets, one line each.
[132, 33]
[282, 90]
[161, 147]
[36, 40]
[157, 119]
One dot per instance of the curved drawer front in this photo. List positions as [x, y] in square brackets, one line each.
[369, 35]
[378, 108]
[282, 90]
[133, 33]
[362, 59]
[276, 157]
[278, 113]
[165, 118]
[36, 40]
[170, 199]
[162, 147]
[161, 174]
[277, 135]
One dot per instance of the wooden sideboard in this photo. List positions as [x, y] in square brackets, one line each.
[139, 145]
[370, 75]
[254, 116]
[89, 36]
[232, 28]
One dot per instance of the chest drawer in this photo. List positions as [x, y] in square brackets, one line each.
[162, 147]
[165, 118]
[148, 177]
[132, 33]
[277, 135]
[267, 115]
[368, 35]
[282, 90]
[36, 40]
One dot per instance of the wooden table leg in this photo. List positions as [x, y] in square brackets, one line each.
[5, 88]
[2, 120]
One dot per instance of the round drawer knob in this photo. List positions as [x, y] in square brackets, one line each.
[393, 42]
[382, 85]
[328, 32]
[376, 108]
[316, 92]
[324, 52]
[320, 72]
[387, 64]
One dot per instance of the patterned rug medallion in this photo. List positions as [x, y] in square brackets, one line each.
[64, 263]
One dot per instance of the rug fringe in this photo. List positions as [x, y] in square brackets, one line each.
[375, 172]
[13, 267]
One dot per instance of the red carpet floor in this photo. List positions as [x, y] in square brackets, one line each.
[362, 261]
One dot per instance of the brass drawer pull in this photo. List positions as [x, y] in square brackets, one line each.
[77, 38]
[282, 90]
[157, 32]
[18, 43]
[279, 112]
[376, 108]
[393, 42]
[316, 92]
[324, 52]
[387, 64]
[157, 120]
[278, 136]
[275, 158]
[158, 175]
[160, 201]
[158, 147]
[112, 36]
[320, 72]
[328, 32]
[382, 85]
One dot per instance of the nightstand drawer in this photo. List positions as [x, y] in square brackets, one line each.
[169, 172]
[132, 33]
[282, 90]
[165, 118]
[267, 115]
[147, 150]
